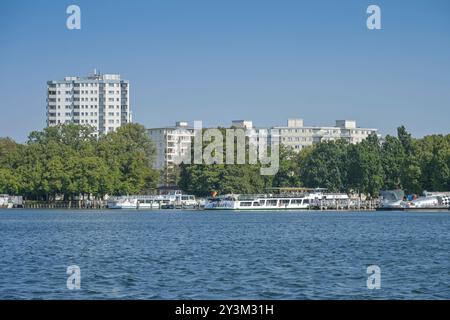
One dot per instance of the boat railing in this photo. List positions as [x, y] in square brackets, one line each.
[271, 196]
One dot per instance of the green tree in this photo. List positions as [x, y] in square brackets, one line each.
[202, 179]
[326, 166]
[411, 168]
[9, 183]
[392, 158]
[288, 174]
[129, 154]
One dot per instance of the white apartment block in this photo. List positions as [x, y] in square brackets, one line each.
[242, 124]
[170, 143]
[100, 100]
[173, 142]
[297, 136]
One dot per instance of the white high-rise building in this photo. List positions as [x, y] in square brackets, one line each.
[100, 100]
[170, 143]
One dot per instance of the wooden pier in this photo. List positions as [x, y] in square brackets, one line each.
[86, 204]
[320, 205]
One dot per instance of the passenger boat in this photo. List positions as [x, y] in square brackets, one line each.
[391, 200]
[307, 199]
[122, 203]
[172, 200]
[5, 201]
[430, 201]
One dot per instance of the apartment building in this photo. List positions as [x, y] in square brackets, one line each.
[170, 143]
[99, 100]
[297, 136]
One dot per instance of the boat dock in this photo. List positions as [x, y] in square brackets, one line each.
[345, 205]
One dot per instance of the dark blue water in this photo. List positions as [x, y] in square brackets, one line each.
[223, 255]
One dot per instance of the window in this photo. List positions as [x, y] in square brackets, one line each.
[245, 204]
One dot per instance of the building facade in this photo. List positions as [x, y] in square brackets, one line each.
[100, 100]
[173, 143]
[298, 136]
[170, 143]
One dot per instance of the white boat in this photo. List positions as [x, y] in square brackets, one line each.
[430, 201]
[391, 200]
[171, 200]
[395, 200]
[148, 203]
[5, 201]
[272, 202]
[122, 203]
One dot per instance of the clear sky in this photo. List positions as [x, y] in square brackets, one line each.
[219, 60]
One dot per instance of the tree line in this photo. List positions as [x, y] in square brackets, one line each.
[396, 162]
[68, 160]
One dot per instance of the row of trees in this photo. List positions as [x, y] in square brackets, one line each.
[68, 160]
[364, 168]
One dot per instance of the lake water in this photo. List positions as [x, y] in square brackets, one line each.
[223, 255]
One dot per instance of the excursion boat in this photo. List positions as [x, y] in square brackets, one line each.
[172, 200]
[297, 201]
[391, 200]
[5, 201]
[122, 203]
[430, 201]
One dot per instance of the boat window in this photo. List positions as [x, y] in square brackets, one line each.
[306, 201]
[256, 204]
[284, 201]
[262, 202]
[272, 203]
[246, 204]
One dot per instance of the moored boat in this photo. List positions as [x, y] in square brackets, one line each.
[306, 199]
[172, 200]
[5, 201]
[122, 203]
[430, 201]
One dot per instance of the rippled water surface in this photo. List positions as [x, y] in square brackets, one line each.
[223, 255]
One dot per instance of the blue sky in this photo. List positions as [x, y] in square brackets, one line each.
[220, 60]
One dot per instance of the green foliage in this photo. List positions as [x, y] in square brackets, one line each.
[287, 175]
[392, 159]
[67, 160]
[202, 179]
[401, 162]
[365, 169]
[326, 166]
